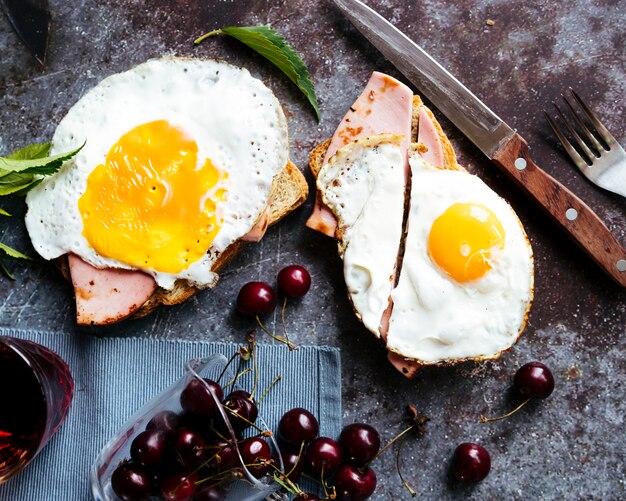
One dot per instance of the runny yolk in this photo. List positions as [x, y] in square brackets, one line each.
[151, 205]
[464, 239]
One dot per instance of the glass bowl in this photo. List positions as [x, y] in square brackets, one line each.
[117, 450]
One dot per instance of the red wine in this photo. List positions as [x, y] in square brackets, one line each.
[35, 392]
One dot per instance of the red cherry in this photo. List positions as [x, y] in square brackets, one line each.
[189, 447]
[256, 455]
[256, 298]
[360, 443]
[323, 454]
[471, 463]
[197, 399]
[131, 483]
[534, 380]
[293, 463]
[178, 488]
[354, 484]
[148, 448]
[294, 281]
[298, 425]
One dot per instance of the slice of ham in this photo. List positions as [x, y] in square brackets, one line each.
[383, 107]
[105, 296]
[260, 227]
[427, 135]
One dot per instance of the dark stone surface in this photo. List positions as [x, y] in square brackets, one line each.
[570, 446]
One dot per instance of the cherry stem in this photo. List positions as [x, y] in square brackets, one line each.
[247, 421]
[484, 419]
[390, 443]
[276, 379]
[234, 380]
[404, 482]
[255, 369]
[200, 39]
[282, 316]
[290, 485]
[230, 361]
[280, 339]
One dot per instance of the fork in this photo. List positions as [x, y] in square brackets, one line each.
[603, 166]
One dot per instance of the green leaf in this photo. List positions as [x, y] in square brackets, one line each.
[14, 182]
[43, 166]
[10, 252]
[275, 49]
[37, 150]
[4, 213]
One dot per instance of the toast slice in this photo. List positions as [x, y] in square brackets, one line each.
[289, 192]
[446, 160]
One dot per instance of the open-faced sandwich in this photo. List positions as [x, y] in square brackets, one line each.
[436, 264]
[184, 161]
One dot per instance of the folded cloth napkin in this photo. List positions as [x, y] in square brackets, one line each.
[114, 377]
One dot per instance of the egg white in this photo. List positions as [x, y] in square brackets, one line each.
[436, 319]
[363, 184]
[235, 119]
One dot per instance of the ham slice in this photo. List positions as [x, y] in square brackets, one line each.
[383, 107]
[428, 135]
[260, 227]
[105, 296]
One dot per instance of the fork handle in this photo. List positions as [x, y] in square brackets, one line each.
[569, 211]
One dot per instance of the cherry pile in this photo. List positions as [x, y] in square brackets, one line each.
[341, 466]
[187, 455]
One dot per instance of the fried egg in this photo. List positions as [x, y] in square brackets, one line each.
[179, 161]
[466, 283]
[363, 184]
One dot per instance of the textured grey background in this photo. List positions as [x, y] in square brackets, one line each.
[570, 446]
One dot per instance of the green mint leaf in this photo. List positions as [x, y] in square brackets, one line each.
[44, 166]
[10, 252]
[4, 213]
[37, 150]
[15, 183]
[275, 49]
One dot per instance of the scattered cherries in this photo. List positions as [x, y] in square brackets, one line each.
[257, 299]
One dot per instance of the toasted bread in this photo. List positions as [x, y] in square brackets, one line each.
[289, 191]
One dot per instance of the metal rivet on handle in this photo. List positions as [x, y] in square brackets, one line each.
[520, 163]
[621, 265]
[571, 214]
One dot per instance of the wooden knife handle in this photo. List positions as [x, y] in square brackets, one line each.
[571, 213]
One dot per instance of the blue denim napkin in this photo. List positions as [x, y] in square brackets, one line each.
[114, 377]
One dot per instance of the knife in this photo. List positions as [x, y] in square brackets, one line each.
[507, 149]
[30, 19]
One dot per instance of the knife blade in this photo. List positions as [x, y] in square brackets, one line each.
[30, 19]
[499, 142]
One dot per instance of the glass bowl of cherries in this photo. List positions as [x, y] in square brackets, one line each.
[194, 441]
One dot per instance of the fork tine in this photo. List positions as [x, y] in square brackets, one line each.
[596, 144]
[602, 130]
[583, 146]
[571, 151]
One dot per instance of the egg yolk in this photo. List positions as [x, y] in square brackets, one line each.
[463, 240]
[152, 204]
